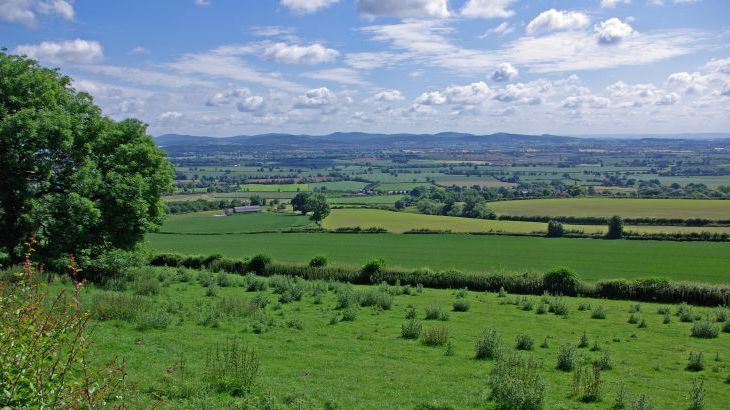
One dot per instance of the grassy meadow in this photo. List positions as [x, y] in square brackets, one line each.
[626, 208]
[210, 223]
[592, 259]
[315, 355]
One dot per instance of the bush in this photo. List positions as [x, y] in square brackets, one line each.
[349, 314]
[524, 342]
[542, 308]
[705, 329]
[726, 327]
[643, 402]
[633, 319]
[599, 312]
[587, 383]
[561, 281]
[231, 368]
[488, 345]
[373, 267]
[567, 358]
[411, 312]
[695, 362]
[697, 394]
[516, 384]
[318, 262]
[434, 312]
[411, 329]
[722, 314]
[605, 361]
[147, 286]
[117, 306]
[375, 297]
[259, 263]
[583, 340]
[559, 307]
[461, 305]
[555, 229]
[436, 335]
[153, 319]
[615, 228]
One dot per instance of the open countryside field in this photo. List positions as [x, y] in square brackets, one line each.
[627, 208]
[275, 187]
[209, 223]
[591, 259]
[310, 356]
[399, 222]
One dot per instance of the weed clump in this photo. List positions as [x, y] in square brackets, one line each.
[488, 345]
[695, 362]
[461, 305]
[599, 312]
[436, 335]
[524, 342]
[411, 329]
[516, 384]
[567, 358]
[704, 329]
[231, 368]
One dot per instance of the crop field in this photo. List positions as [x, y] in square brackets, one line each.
[365, 200]
[209, 223]
[342, 186]
[309, 354]
[591, 259]
[627, 208]
[470, 182]
[275, 187]
[399, 186]
[399, 222]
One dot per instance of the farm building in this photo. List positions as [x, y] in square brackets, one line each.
[242, 209]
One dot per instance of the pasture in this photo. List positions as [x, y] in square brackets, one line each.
[313, 354]
[274, 187]
[593, 259]
[209, 223]
[627, 208]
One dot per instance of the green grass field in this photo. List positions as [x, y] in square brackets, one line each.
[627, 208]
[208, 222]
[365, 363]
[399, 222]
[592, 259]
[365, 200]
[275, 187]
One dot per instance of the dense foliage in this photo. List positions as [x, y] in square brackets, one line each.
[78, 182]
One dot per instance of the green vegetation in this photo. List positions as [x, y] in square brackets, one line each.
[209, 223]
[275, 187]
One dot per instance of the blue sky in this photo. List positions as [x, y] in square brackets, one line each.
[227, 67]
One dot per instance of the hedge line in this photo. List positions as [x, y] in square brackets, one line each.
[650, 290]
[599, 220]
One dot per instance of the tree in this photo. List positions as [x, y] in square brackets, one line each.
[74, 180]
[317, 204]
[615, 228]
[555, 229]
[257, 200]
[299, 202]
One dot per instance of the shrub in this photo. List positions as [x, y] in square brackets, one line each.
[527, 304]
[411, 329]
[349, 314]
[254, 283]
[373, 267]
[223, 280]
[642, 324]
[231, 368]
[664, 310]
[542, 308]
[587, 383]
[584, 306]
[615, 228]
[259, 263]
[117, 306]
[583, 340]
[619, 402]
[567, 358]
[318, 262]
[411, 312]
[643, 402]
[433, 312]
[695, 362]
[555, 229]
[147, 286]
[726, 327]
[516, 384]
[705, 329]
[295, 323]
[461, 293]
[605, 362]
[235, 306]
[449, 348]
[375, 297]
[561, 281]
[685, 313]
[153, 319]
[461, 305]
[524, 342]
[697, 394]
[260, 301]
[488, 345]
[436, 335]
[722, 314]
[635, 308]
[545, 344]
[211, 291]
[633, 319]
[599, 312]
[559, 307]
[502, 293]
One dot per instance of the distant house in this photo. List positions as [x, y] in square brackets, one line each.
[243, 209]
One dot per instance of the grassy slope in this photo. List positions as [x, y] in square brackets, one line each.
[365, 363]
[401, 222]
[592, 259]
[207, 222]
[627, 208]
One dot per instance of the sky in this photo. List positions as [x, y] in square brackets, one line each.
[231, 67]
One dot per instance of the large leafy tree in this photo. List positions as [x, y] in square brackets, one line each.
[75, 180]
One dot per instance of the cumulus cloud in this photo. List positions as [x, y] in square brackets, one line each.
[170, 115]
[306, 6]
[691, 83]
[316, 98]
[253, 103]
[76, 51]
[531, 93]
[25, 11]
[227, 97]
[668, 99]
[431, 98]
[554, 20]
[387, 96]
[471, 94]
[725, 90]
[583, 101]
[609, 4]
[612, 31]
[296, 54]
[505, 72]
[404, 8]
[487, 9]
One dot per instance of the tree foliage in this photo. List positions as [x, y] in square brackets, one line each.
[75, 180]
[615, 228]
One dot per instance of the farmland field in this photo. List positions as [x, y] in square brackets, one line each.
[365, 200]
[592, 259]
[627, 208]
[307, 356]
[275, 187]
[208, 222]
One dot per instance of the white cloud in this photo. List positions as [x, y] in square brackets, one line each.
[721, 66]
[691, 83]
[487, 9]
[227, 97]
[253, 103]
[296, 54]
[25, 11]
[532, 93]
[306, 6]
[138, 50]
[339, 75]
[663, 2]
[505, 72]
[553, 20]
[431, 98]
[502, 29]
[404, 8]
[583, 101]
[725, 90]
[612, 31]
[170, 115]
[76, 51]
[387, 96]
[202, 2]
[471, 94]
[609, 4]
[271, 31]
[316, 98]
[668, 99]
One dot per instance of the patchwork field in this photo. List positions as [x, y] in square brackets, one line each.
[591, 259]
[310, 356]
[275, 187]
[627, 208]
[209, 223]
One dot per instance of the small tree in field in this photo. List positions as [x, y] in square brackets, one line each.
[615, 228]
[299, 202]
[317, 204]
[555, 229]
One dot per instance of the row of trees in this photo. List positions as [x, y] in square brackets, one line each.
[306, 202]
[615, 228]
